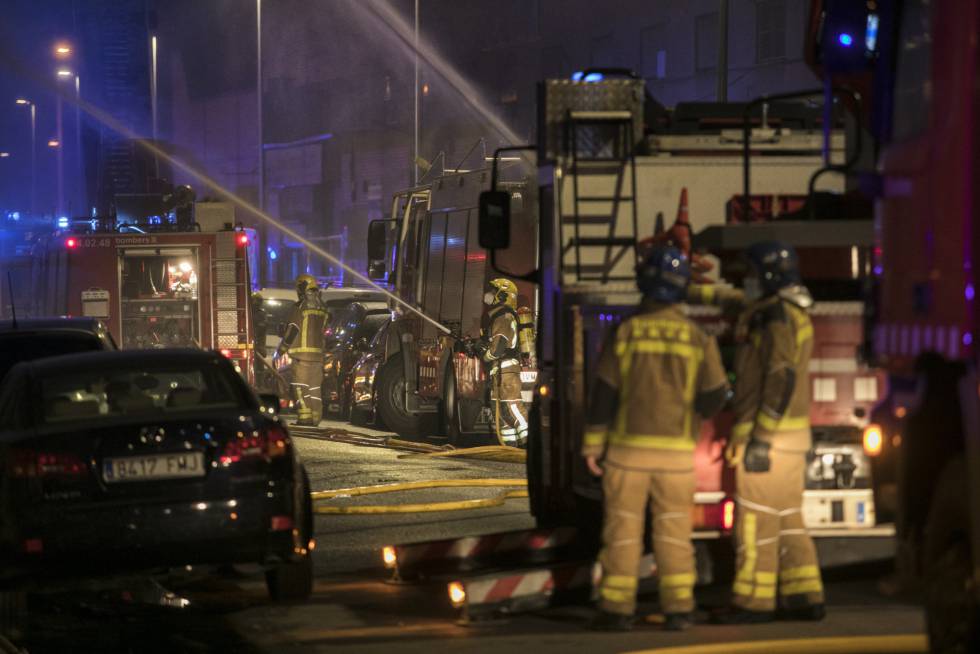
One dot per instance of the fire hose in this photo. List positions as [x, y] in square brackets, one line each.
[421, 507]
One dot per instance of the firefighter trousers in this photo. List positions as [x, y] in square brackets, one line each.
[772, 542]
[510, 414]
[306, 383]
[671, 496]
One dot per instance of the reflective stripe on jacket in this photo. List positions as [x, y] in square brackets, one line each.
[657, 361]
[772, 383]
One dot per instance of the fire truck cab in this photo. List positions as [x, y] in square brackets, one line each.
[608, 166]
[430, 255]
[918, 62]
[159, 275]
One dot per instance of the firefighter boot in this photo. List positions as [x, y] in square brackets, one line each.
[606, 621]
[678, 621]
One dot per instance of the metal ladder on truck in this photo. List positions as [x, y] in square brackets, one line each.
[601, 179]
[230, 288]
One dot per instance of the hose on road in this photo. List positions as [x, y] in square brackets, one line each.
[519, 491]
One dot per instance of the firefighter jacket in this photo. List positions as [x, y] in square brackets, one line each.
[303, 338]
[656, 377]
[501, 336]
[772, 384]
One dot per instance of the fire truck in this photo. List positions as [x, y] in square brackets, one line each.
[610, 160]
[429, 254]
[917, 60]
[165, 271]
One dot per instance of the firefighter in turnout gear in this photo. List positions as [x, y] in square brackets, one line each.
[777, 568]
[657, 376]
[303, 340]
[501, 351]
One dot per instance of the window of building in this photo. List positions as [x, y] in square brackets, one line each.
[770, 30]
[913, 69]
[653, 52]
[706, 41]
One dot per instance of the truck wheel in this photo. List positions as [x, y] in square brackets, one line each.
[391, 400]
[450, 409]
[952, 614]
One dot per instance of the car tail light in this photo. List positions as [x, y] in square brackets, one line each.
[28, 464]
[281, 523]
[33, 546]
[873, 439]
[71, 243]
[270, 443]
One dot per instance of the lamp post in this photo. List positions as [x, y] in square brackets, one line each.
[33, 107]
[63, 74]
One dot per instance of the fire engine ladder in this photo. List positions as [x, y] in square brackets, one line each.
[230, 293]
[603, 186]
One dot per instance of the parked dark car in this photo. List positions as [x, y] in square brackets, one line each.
[363, 374]
[138, 460]
[349, 335]
[27, 340]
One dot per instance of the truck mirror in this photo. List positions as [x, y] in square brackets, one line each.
[377, 239]
[495, 220]
[377, 270]
[377, 249]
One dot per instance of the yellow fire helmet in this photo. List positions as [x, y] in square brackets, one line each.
[304, 282]
[502, 291]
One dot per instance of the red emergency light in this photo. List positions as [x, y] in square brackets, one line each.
[71, 243]
[242, 240]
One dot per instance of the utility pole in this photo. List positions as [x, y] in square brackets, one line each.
[722, 93]
[415, 160]
[60, 160]
[263, 244]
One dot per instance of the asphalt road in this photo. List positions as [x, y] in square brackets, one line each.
[355, 609]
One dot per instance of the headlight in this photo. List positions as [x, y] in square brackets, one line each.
[837, 467]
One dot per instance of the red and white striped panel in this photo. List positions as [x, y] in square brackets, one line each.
[497, 589]
[477, 546]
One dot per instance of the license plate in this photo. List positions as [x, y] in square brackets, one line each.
[152, 467]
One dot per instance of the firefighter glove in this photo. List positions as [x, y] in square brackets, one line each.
[734, 452]
[756, 458]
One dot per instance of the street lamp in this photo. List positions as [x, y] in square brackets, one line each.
[54, 143]
[64, 72]
[62, 50]
[4, 155]
[27, 103]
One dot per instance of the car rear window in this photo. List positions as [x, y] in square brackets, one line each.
[27, 346]
[102, 393]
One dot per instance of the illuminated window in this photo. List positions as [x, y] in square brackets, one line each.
[865, 389]
[824, 390]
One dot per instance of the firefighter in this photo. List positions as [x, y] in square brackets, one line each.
[303, 340]
[657, 376]
[776, 560]
[501, 351]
